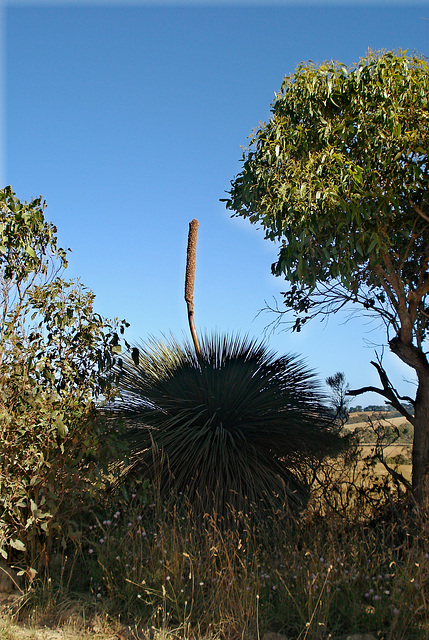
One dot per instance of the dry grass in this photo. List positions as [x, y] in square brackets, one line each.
[349, 564]
[316, 578]
[398, 421]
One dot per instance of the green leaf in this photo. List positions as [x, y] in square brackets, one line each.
[18, 545]
[373, 245]
[61, 427]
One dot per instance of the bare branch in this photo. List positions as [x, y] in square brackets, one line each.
[329, 298]
[418, 210]
[358, 392]
[387, 392]
[396, 474]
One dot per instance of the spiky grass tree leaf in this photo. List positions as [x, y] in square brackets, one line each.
[231, 427]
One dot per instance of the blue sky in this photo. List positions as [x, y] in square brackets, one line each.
[128, 118]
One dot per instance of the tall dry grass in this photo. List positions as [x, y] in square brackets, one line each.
[324, 575]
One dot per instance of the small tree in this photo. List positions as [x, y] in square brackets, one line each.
[56, 359]
[340, 176]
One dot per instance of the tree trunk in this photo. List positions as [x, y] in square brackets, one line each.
[415, 358]
[421, 442]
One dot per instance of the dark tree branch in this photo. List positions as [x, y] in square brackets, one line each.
[418, 210]
[396, 474]
[410, 354]
[387, 392]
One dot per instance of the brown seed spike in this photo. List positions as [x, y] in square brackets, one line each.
[191, 260]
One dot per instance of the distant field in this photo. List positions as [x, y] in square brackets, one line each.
[374, 414]
[390, 451]
[398, 422]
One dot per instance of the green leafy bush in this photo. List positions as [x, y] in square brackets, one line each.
[56, 358]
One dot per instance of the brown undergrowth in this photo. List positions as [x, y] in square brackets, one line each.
[351, 563]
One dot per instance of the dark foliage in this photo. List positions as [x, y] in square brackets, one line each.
[234, 426]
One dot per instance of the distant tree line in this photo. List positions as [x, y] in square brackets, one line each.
[386, 408]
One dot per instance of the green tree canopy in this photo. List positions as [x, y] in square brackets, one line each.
[339, 176]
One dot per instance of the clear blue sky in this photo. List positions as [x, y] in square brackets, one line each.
[128, 119]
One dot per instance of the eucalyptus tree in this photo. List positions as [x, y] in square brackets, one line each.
[339, 175]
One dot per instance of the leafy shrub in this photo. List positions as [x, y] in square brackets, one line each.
[56, 358]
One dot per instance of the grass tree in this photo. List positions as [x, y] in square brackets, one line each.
[232, 424]
[222, 420]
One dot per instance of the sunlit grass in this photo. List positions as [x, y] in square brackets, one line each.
[188, 575]
[355, 561]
